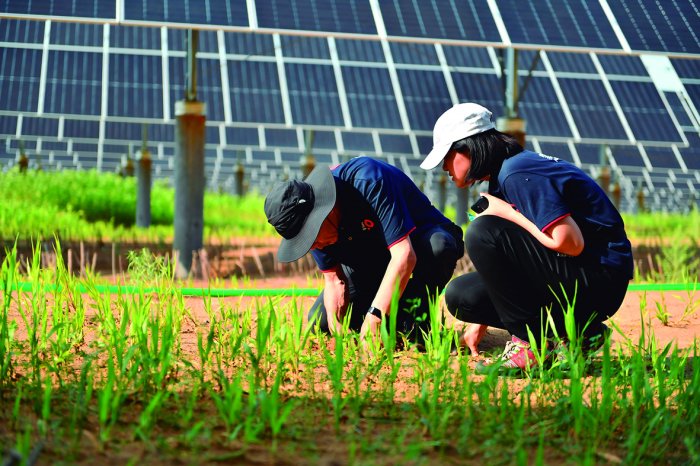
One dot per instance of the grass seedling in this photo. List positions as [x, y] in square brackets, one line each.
[662, 310]
[335, 363]
[229, 404]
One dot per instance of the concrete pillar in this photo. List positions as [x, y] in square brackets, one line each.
[189, 183]
[462, 206]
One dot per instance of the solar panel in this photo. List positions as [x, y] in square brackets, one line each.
[316, 15]
[77, 34]
[693, 93]
[282, 138]
[395, 143]
[485, 88]
[255, 92]
[415, 54]
[662, 158]
[73, 83]
[571, 62]
[425, 95]
[40, 126]
[98, 9]
[135, 87]
[650, 25]
[467, 56]
[24, 32]
[686, 68]
[645, 111]
[560, 151]
[359, 50]
[247, 44]
[691, 154]
[20, 71]
[274, 87]
[209, 12]
[242, 136]
[305, 47]
[575, 23]
[591, 108]
[370, 97]
[81, 128]
[622, 65]
[441, 19]
[134, 37]
[542, 110]
[313, 95]
[360, 142]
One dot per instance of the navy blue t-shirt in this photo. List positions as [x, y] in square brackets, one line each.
[546, 189]
[379, 207]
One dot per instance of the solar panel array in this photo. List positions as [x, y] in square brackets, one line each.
[368, 77]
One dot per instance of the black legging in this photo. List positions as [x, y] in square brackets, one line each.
[517, 277]
[437, 251]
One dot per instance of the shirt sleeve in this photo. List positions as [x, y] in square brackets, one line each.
[323, 260]
[537, 197]
[390, 206]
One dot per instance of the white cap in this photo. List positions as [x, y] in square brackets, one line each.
[459, 122]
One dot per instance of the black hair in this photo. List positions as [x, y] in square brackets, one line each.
[487, 152]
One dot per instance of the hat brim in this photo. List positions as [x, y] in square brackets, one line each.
[436, 156]
[322, 181]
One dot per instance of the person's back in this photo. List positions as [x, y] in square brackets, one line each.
[564, 189]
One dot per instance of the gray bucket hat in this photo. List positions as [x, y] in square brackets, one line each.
[298, 208]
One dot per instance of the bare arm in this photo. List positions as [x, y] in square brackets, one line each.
[335, 297]
[563, 236]
[401, 264]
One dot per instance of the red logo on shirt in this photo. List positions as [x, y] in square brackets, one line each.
[367, 224]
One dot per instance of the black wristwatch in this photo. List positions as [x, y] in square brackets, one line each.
[375, 312]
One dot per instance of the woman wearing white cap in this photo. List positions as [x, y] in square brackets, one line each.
[549, 234]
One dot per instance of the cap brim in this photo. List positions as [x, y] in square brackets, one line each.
[322, 181]
[436, 156]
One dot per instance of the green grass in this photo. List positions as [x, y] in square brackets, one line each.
[101, 206]
[143, 378]
[88, 205]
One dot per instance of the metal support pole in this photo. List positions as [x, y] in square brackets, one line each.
[462, 206]
[511, 123]
[442, 192]
[604, 175]
[23, 162]
[238, 176]
[189, 168]
[307, 161]
[189, 183]
[128, 164]
[641, 205]
[143, 184]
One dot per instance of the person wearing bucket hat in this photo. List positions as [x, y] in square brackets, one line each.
[369, 228]
[549, 236]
